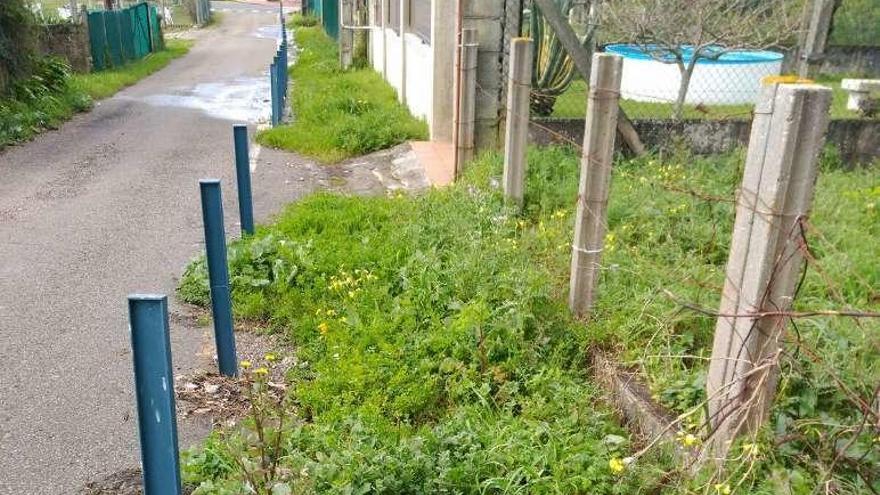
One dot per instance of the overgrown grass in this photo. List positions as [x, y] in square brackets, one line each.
[339, 114]
[53, 95]
[573, 104]
[436, 354]
[98, 85]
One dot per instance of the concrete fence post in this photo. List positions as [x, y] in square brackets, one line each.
[519, 86]
[154, 391]
[467, 67]
[812, 52]
[765, 260]
[346, 34]
[404, 66]
[218, 275]
[592, 205]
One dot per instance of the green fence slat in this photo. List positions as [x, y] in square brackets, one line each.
[330, 17]
[97, 40]
[156, 30]
[127, 34]
[120, 36]
[114, 42]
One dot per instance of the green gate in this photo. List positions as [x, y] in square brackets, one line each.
[117, 37]
[330, 17]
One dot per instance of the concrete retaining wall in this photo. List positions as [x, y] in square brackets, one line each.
[842, 60]
[857, 140]
[852, 60]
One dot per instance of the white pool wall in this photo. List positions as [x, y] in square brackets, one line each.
[715, 83]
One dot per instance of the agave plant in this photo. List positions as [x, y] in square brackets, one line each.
[552, 68]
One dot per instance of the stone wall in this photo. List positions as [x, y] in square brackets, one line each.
[852, 60]
[858, 141]
[69, 41]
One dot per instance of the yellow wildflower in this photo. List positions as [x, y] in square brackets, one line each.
[616, 464]
[722, 488]
[245, 364]
[323, 327]
[261, 371]
[689, 440]
[271, 357]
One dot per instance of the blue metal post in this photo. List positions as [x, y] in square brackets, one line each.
[273, 86]
[154, 389]
[284, 67]
[243, 177]
[279, 90]
[218, 275]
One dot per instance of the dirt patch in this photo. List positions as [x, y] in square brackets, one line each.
[125, 482]
[225, 400]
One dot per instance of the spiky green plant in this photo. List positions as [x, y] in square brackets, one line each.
[552, 67]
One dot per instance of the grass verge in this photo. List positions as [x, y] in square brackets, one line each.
[53, 95]
[339, 114]
[573, 104]
[436, 354]
[98, 85]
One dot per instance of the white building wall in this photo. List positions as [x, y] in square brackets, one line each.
[419, 76]
[426, 66]
[393, 60]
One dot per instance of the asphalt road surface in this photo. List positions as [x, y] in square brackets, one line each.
[106, 206]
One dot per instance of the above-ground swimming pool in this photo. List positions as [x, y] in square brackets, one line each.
[734, 78]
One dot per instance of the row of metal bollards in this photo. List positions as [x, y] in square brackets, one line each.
[278, 77]
[150, 335]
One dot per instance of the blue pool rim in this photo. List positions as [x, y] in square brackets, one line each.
[738, 57]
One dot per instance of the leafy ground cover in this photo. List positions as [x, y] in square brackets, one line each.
[54, 93]
[573, 104]
[338, 114]
[436, 353]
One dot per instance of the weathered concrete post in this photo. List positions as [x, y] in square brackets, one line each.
[517, 132]
[590, 223]
[443, 40]
[346, 34]
[813, 49]
[404, 18]
[788, 133]
[467, 67]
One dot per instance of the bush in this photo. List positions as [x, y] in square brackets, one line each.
[17, 43]
[42, 101]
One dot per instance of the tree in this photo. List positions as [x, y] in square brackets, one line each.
[684, 32]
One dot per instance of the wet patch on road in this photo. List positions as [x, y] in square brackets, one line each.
[243, 99]
[272, 32]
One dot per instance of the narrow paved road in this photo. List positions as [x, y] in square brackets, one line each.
[106, 206]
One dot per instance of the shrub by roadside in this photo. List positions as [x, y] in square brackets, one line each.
[339, 114]
[53, 94]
